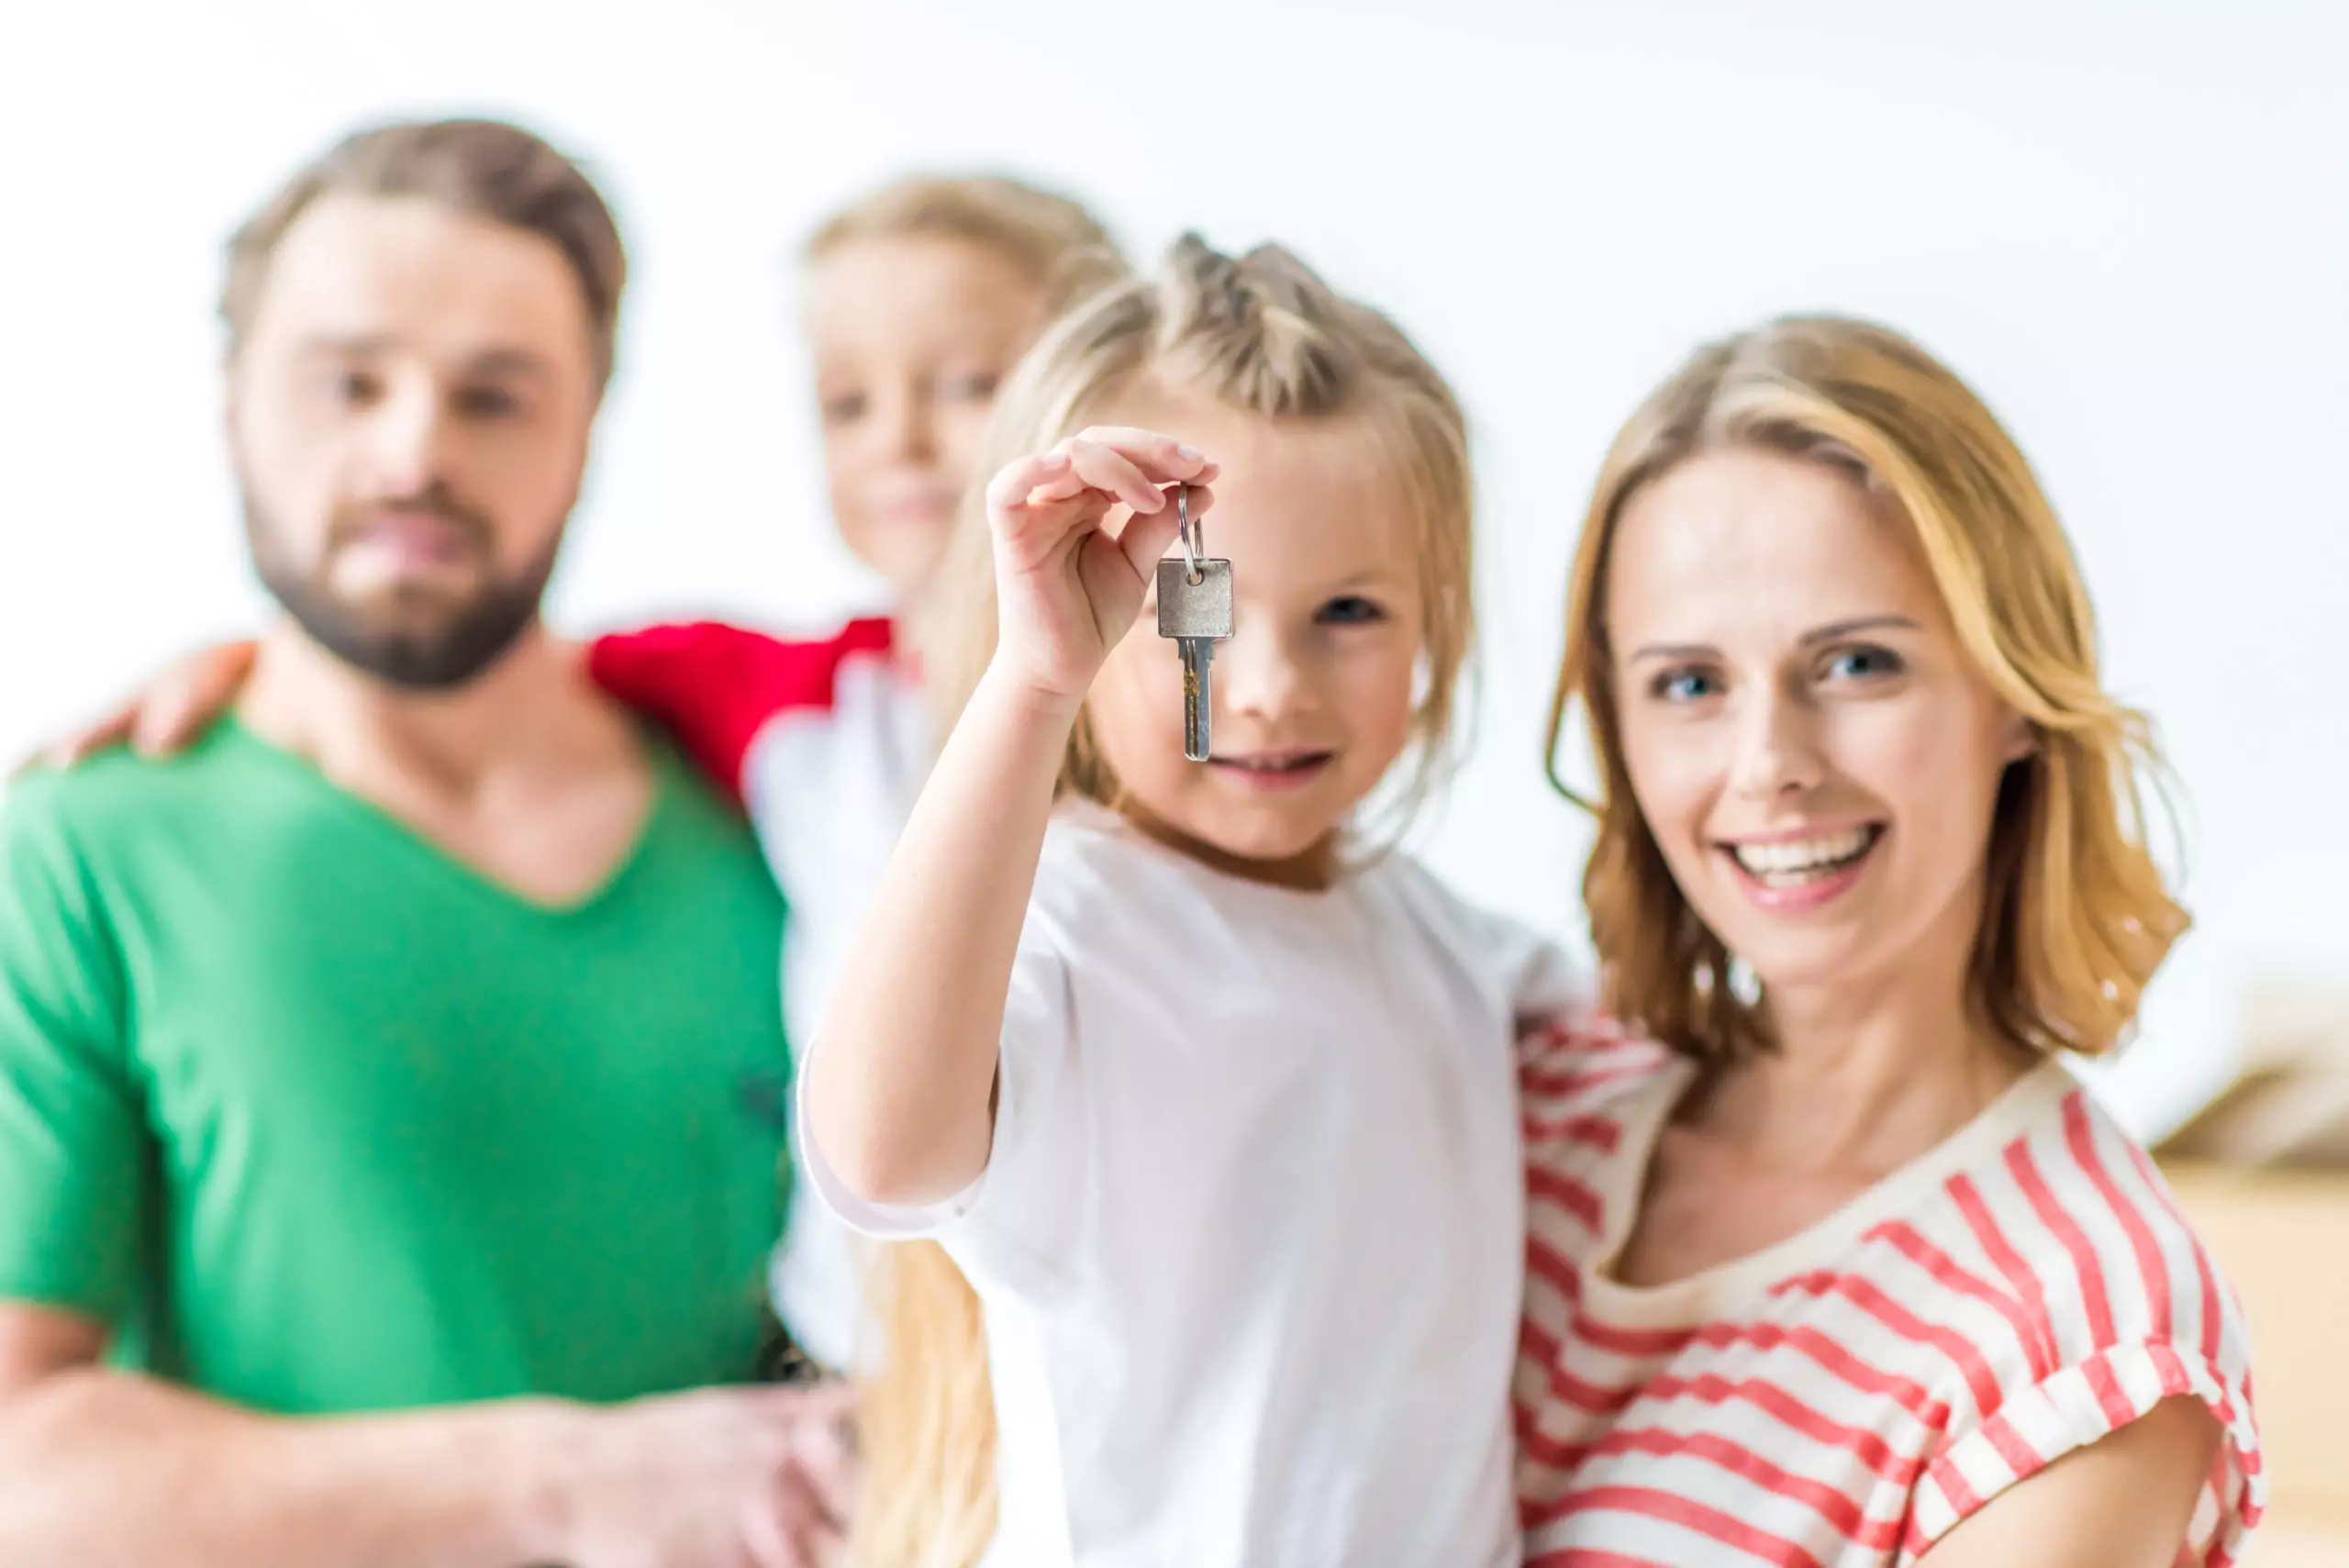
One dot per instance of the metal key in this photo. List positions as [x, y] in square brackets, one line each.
[1195, 609]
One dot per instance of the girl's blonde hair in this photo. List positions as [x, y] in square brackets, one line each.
[1261, 333]
[1050, 236]
[2075, 916]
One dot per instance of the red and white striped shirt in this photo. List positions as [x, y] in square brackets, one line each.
[1846, 1397]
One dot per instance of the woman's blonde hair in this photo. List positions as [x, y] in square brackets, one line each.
[2076, 916]
[1262, 334]
[1050, 236]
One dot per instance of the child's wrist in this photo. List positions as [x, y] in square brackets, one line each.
[1024, 695]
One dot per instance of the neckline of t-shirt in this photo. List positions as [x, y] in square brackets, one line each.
[1726, 1286]
[232, 728]
[1090, 815]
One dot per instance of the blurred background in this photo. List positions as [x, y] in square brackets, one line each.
[2127, 222]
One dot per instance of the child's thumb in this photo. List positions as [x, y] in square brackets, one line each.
[1148, 536]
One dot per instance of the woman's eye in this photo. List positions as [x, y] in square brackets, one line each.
[1684, 685]
[1865, 662]
[975, 388]
[1350, 609]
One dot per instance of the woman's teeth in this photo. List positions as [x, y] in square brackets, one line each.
[1792, 862]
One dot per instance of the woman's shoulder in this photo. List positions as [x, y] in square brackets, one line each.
[1591, 1096]
[1581, 1064]
[2062, 1225]
[2065, 1204]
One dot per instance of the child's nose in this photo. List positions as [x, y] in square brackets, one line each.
[1258, 671]
[910, 424]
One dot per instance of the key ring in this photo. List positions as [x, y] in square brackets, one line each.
[1193, 535]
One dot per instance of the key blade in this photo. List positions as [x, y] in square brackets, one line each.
[1195, 609]
[1198, 697]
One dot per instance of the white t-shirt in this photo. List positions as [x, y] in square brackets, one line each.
[1249, 1240]
[828, 791]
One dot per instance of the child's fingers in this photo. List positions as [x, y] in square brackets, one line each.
[173, 719]
[1162, 459]
[72, 751]
[1067, 487]
[1109, 471]
[1018, 482]
[1072, 485]
[1119, 465]
[1199, 499]
[1147, 536]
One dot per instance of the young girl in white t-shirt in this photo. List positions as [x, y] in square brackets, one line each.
[1211, 1098]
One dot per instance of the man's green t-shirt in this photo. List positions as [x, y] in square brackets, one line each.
[323, 1120]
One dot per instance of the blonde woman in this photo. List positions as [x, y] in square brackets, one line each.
[1221, 1124]
[1846, 1269]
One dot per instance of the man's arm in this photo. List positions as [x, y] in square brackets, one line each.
[101, 1467]
[109, 1469]
[106, 1467]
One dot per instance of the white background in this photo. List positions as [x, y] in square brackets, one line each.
[2127, 222]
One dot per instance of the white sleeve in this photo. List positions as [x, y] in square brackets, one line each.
[1546, 983]
[1023, 1203]
[1542, 981]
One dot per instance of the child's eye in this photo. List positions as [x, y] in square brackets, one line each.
[975, 388]
[354, 388]
[1350, 609]
[842, 409]
[1684, 685]
[1864, 663]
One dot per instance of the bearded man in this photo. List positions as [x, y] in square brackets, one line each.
[389, 1144]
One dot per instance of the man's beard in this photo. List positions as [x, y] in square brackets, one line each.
[399, 640]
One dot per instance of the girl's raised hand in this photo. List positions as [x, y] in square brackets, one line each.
[1078, 533]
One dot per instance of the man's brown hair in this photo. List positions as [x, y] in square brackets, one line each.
[485, 169]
